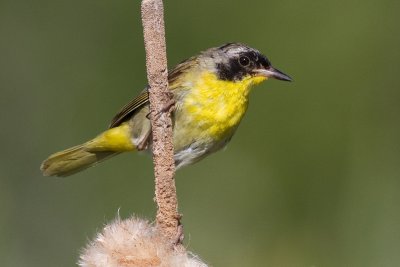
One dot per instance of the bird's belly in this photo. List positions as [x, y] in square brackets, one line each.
[193, 145]
[205, 127]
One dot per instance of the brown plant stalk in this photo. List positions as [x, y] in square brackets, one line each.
[168, 218]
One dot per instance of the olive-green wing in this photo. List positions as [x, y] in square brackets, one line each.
[173, 80]
[179, 71]
[130, 108]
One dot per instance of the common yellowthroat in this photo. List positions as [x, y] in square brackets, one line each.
[211, 94]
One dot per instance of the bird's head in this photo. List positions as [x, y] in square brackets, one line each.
[235, 62]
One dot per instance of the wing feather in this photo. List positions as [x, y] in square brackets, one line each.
[129, 109]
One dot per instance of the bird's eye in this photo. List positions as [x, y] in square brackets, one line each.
[244, 61]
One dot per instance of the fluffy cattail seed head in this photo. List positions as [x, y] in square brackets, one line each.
[134, 242]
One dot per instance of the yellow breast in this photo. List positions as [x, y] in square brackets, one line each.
[216, 107]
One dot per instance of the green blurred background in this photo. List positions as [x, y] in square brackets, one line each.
[310, 179]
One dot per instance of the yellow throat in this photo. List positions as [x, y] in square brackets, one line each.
[216, 105]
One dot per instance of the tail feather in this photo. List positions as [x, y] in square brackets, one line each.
[77, 158]
[73, 160]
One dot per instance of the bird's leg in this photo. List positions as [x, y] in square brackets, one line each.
[144, 143]
[168, 107]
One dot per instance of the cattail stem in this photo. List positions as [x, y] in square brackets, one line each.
[168, 218]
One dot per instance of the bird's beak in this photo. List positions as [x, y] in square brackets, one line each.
[271, 72]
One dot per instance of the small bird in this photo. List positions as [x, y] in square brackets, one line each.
[211, 95]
